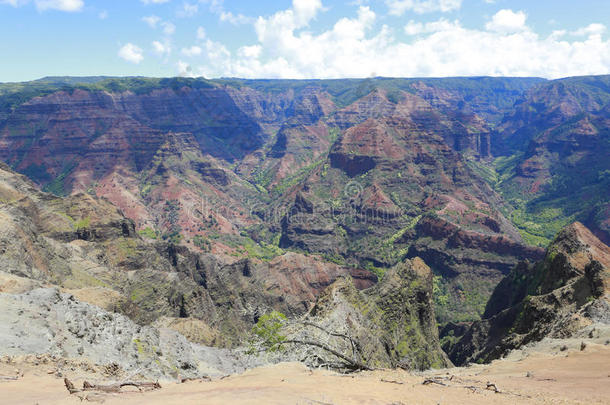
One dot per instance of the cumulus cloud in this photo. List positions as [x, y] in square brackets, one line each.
[358, 47]
[417, 28]
[188, 10]
[507, 21]
[399, 7]
[227, 16]
[161, 48]
[200, 33]
[42, 5]
[591, 29]
[217, 7]
[191, 51]
[168, 28]
[184, 69]
[61, 5]
[131, 53]
[151, 20]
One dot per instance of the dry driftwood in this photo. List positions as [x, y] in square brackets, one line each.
[341, 335]
[203, 378]
[492, 386]
[428, 381]
[9, 378]
[70, 387]
[148, 386]
[391, 381]
[350, 363]
[115, 388]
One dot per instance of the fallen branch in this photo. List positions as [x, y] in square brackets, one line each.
[428, 381]
[351, 364]
[87, 386]
[116, 388]
[492, 386]
[204, 378]
[391, 381]
[70, 387]
[341, 335]
[9, 378]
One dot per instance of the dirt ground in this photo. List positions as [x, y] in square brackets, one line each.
[563, 377]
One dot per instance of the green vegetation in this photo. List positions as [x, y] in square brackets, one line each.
[499, 91]
[13, 95]
[148, 233]
[83, 223]
[267, 330]
[378, 271]
[57, 186]
[202, 243]
[173, 237]
[300, 175]
[399, 234]
[245, 246]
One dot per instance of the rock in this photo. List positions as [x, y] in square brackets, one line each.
[557, 298]
[392, 323]
[135, 350]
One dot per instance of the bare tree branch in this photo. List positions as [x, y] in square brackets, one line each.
[352, 364]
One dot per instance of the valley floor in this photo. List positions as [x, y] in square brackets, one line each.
[543, 374]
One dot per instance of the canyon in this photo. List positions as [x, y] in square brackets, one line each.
[415, 223]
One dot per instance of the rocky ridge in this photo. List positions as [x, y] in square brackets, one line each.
[342, 169]
[565, 295]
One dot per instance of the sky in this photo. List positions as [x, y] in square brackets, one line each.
[302, 39]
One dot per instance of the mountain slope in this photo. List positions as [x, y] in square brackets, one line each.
[87, 247]
[364, 172]
[564, 295]
[555, 167]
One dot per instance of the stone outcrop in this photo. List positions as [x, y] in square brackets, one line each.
[82, 243]
[348, 169]
[392, 324]
[558, 297]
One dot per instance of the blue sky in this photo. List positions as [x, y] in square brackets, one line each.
[303, 38]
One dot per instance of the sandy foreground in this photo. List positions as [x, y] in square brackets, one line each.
[568, 377]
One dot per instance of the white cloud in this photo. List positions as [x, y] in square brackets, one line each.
[168, 28]
[192, 51]
[399, 7]
[250, 52]
[151, 20]
[154, 1]
[42, 5]
[507, 21]
[102, 15]
[417, 28]
[161, 48]
[61, 5]
[591, 29]
[188, 10]
[131, 53]
[305, 10]
[200, 33]
[281, 25]
[184, 69]
[356, 47]
[217, 7]
[227, 16]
